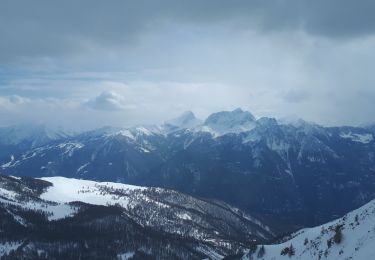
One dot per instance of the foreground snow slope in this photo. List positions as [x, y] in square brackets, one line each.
[358, 239]
[211, 228]
[158, 206]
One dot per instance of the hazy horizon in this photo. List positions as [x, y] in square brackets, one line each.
[80, 128]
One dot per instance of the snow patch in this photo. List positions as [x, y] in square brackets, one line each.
[5, 165]
[70, 147]
[143, 130]
[65, 190]
[80, 168]
[6, 247]
[184, 216]
[125, 256]
[360, 138]
[126, 133]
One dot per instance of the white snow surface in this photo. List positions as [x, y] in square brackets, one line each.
[56, 211]
[126, 133]
[66, 190]
[358, 239]
[184, 216]
[360, 138]
[143, 130]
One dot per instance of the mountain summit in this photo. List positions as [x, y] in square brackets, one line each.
[185, 120]
[217, 124]
[301, 174]
[235, 121]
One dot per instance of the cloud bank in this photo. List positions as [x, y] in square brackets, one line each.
[130, 62]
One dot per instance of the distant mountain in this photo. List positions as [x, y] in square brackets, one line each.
[350, 237]
[15, 139]
[226, 122]
[296, 173]
[186, 120]
[60, 218]
[36, 135]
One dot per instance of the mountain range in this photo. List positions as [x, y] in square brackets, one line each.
[293, 175]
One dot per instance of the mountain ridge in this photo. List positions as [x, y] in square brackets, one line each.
[31, 210]
[301, 171]
[349, 237]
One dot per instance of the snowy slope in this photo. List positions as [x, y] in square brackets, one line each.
[152, 200]
[213, 227]
[357, 242]
[66, 190]
[9, 195]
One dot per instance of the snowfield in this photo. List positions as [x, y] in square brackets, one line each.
[215, 227]
[66, 190]
[357, 242]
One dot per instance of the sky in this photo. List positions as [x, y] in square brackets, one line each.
[87, 63]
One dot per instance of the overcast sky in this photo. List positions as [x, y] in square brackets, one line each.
[84, 64]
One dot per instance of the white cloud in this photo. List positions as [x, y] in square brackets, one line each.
[15, 99]
[296, 96]
[107, 100]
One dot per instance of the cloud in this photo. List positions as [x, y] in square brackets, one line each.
[295, 96]
[107, 100]
[15, 99]
[65, 28]
[86, 60]
[69, 113]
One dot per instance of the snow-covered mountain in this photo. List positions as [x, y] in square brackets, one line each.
[301, 172]
[32, 210]
[20, 138]
[36, 135]
[226, 122]
[217, 124]
[186, 120]
[349, 237]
